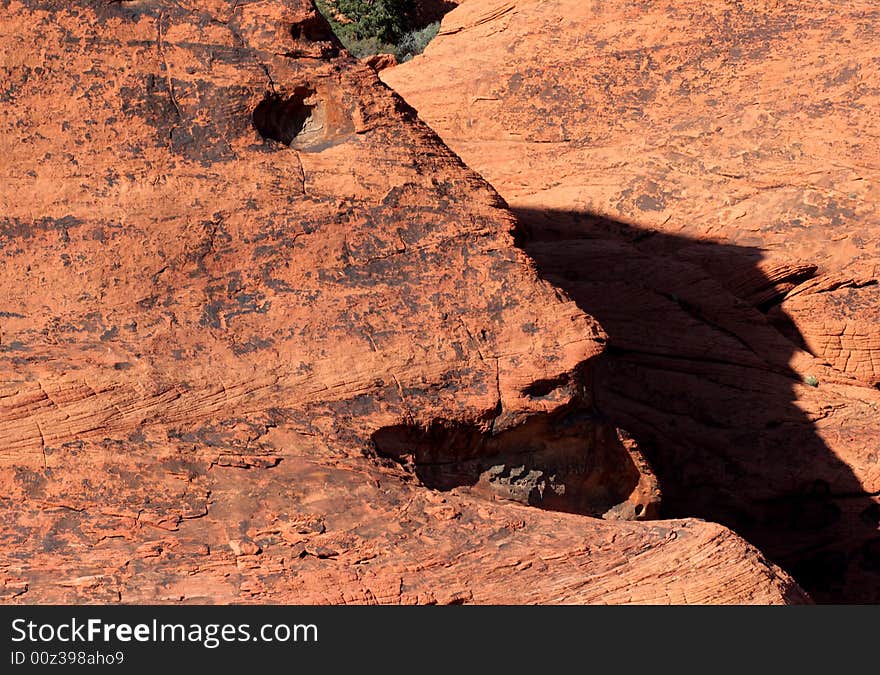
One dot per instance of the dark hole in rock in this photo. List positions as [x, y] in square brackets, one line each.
[544, 387]
[313, 38]
[313, 28]
[283, 118]
[566, 461]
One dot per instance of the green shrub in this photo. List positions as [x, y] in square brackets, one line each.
[415, 41]
[382, 19]
[377, 26]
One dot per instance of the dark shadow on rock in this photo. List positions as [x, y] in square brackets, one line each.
[700, 376]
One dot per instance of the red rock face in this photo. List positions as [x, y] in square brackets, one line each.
[697, 176]
[750, 124]
[381, 61]
[264, 338]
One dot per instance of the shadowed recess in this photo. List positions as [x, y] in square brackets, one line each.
[566, 461]
[283, 118]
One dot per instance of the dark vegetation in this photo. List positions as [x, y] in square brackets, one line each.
[399, 27]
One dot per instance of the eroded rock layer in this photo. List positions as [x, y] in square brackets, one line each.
[702, 178]
[241, 284]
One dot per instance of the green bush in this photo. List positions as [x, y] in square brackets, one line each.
[382, 19]
[415, 41]
[377, 26]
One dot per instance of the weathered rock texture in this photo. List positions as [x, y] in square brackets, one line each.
[260, 333]
[753, 122]
[702, 178]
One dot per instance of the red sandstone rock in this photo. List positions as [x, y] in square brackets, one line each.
[751, 124]
[262, 330]
[699, 177]
[381, 61]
